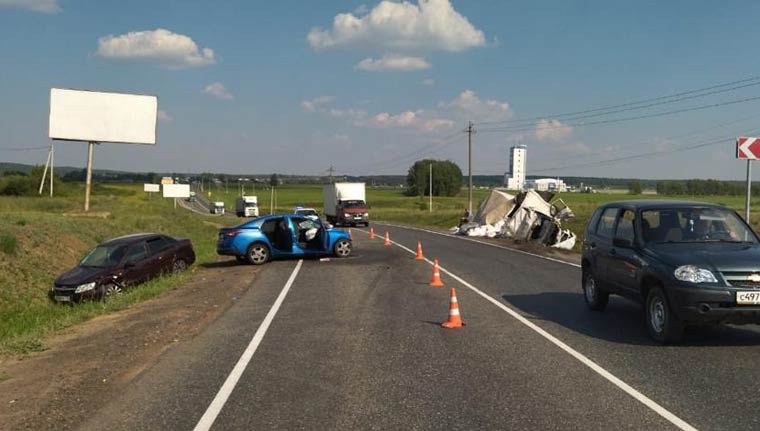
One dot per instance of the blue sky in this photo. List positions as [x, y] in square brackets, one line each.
[257, 87]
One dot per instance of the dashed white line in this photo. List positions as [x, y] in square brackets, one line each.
[625, 387]
[224, 392]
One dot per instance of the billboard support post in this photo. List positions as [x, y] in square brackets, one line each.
[44, 172]
[52, 159]
[88, 183]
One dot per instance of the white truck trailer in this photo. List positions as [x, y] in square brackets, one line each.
[247, 206]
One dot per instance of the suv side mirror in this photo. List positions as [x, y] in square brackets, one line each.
[622, 243]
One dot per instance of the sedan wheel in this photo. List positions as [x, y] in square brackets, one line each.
[179, 265]
[258, 254]
[342, 248]
[110, 290]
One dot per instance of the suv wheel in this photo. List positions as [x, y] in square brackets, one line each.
[663, 325]
[596, 298]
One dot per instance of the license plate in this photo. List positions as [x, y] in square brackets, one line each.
[748, 298]
[61, 298]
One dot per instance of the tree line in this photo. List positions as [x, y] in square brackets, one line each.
[704, 187]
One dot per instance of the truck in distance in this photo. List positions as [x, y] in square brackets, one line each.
[345, 204]
[247, 206]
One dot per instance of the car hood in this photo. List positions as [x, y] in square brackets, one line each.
[713, 256]
[80, 275]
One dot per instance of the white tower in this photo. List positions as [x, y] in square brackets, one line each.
[515, 178]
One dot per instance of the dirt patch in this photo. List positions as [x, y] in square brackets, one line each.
[96, 214]
[92, 362]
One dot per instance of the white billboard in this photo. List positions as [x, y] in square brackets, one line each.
[151, 188]
[176, 190]
[79, 115]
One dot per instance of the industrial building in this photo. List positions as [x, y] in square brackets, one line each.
[515, 176]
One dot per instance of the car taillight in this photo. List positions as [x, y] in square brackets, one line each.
[231, 233]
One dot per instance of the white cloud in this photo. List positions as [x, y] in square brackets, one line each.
[217, 90]
[316, 103]
[469, 106]
[393, 62]
[552, 130]
[162, 47]
[164, 117]
[409, 119]
[401, 27]
[43, 6]
[429, 82]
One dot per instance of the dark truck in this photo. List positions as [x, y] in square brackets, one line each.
[120, 263]
[688, 263]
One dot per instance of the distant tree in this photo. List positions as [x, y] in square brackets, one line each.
[634, 187]
[447, 178]
[274, 180]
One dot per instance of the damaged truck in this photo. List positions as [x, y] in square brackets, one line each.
[527, 217]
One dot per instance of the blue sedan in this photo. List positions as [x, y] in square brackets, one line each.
[282, 236]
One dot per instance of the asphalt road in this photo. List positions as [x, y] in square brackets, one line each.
[356, 344]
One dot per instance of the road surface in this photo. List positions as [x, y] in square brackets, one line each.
[356, 344]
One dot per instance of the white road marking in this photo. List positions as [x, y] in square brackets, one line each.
[625, 387]
[466, 238]
[224, 392]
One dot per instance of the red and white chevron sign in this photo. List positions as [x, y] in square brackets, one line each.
[747, 148]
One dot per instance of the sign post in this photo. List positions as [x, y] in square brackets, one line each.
[748, 149]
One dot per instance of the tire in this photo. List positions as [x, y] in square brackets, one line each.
[596, 298]
[107, 291]
[179, 265]
[342, 248]
[663, 325]
[258, 254]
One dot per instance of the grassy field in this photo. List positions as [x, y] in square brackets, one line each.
[38, 242]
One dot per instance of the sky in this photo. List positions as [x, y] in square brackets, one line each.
[368, 87]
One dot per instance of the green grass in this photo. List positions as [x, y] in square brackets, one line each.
[49, 242]
[8, 244]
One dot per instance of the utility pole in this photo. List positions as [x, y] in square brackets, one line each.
[469, 131]
[331, 171]
[430, 205]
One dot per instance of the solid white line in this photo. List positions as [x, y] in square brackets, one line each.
[625, 387]
[465, 238]
[224, 392]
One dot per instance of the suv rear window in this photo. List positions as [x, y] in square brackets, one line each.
[607, 223]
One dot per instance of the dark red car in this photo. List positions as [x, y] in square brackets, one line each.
[120, 263]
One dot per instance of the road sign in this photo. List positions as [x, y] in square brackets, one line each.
[747, 148]
[151, 188]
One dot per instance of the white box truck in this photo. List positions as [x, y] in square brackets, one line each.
[247, 206]
[345, 204]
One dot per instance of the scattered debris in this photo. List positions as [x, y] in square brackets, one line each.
[324, 259]
[529, 216]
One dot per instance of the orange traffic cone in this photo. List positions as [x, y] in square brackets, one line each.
[371, 233]
[419, 252]
[455, 320]
[436, 280]
[387, 241]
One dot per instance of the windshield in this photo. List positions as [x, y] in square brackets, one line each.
[352, 204]
[104, 256]
[307, 212]
[694, 225]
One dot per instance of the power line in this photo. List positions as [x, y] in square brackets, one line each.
[630, 105]
[656, 141]
[441, 143]
[25, 148]
[607, 162]
[619, 120]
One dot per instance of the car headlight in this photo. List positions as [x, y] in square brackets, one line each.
[693, 274]
[85, 287]
[346, 215]
[366, 214]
